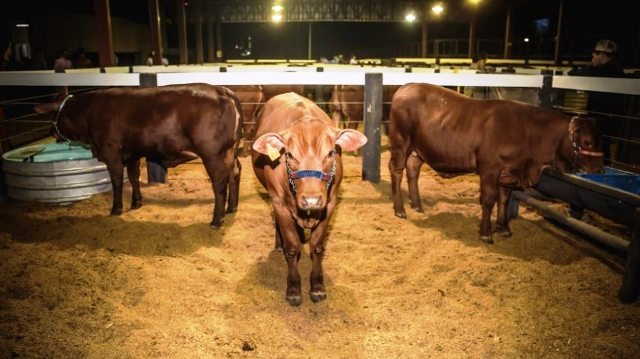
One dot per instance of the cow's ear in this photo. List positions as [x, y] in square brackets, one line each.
[46, 107]
[350, 140]
[267, 143]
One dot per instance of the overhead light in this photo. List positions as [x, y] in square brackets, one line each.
[437, 9]
[410, 17]
[276, 17]
[277, 8]
[526, 39]
[22, 25]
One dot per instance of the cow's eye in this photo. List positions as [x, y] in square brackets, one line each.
[292, 159]
[330, 155]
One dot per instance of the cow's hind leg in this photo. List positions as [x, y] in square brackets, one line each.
[396, 167]
[503, 219]
[133, 172]
[488, 197]
[116, 170]
[413, 172]
[234, 186]
[218, 172]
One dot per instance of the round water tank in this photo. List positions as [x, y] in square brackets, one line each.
[54, 172]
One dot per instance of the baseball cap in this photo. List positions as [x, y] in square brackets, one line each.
[607, 46]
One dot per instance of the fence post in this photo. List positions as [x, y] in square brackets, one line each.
[156, 173]
[630, 287]
[545, 94]
[372, 121]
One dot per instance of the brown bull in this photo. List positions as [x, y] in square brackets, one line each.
[507, 143]
[168, 125]
[297, 158]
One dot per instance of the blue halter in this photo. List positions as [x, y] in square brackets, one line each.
[323, 176]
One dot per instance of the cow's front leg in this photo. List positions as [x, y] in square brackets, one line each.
[291, 244]
[413, 172]
[133, 171]
[116, 170]
[488, 197]
[503, 219]
[396, 167]
[317, 244]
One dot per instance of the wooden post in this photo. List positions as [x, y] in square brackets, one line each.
[154, 26]
[156, 173]
[630, 287]
[423, 38]
[472, 36]
[372, 121]
[198, 33]
[182, 33]
[105, 38]
[507, 34]
[556, 55]
[211, 50]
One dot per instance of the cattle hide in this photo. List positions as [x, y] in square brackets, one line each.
[507, 143]
[297, 158]
[168, 125]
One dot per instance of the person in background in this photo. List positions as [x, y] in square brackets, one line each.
[353, 60]
[81, 60]
[603, 105]
[40, 61]
[7, 59]
[62, 63]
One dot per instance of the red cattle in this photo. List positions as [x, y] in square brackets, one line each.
[507, 143]
[168, 125]
[297, 158]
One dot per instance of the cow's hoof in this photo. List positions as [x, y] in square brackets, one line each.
[136, 205]
[116, 212]
[232, 209]
[294, 300]
[486, 239]
[401, 214]
[506, 233]
[418, 209]
[318, 296]
[216, 223]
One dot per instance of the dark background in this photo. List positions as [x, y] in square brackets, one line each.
[583, 24]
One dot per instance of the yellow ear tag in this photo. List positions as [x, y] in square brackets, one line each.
[272, 152]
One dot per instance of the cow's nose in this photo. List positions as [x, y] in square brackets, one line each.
[311, 202]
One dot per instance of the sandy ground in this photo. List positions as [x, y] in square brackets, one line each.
[158, 282]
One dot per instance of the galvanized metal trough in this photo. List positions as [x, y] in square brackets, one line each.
[58, 173]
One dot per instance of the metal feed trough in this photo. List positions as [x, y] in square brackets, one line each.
[54, 173]
[614, 194]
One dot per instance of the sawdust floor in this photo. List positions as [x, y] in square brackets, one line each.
[158, 282]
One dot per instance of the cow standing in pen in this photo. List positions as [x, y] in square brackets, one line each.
[168, 125]
[506, 143]
[297, 158]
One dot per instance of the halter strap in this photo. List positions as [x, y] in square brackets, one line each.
[55, 121]
[323, 176]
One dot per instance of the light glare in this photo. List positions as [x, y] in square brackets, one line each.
[437, 9]
[276, 17]
[410, 17]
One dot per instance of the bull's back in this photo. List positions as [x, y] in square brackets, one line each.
[167, 119]
[281, 111]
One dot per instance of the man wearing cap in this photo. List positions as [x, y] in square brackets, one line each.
[602, 104]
